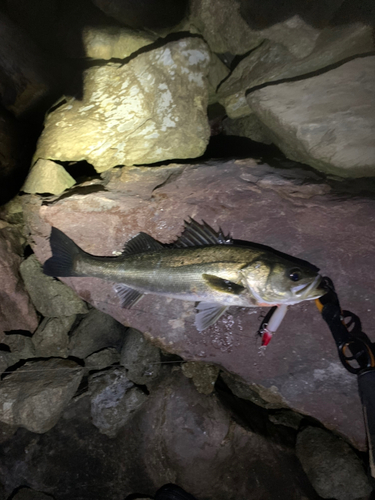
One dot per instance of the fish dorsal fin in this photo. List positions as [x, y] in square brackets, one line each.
[222, 285]
[142, 242]
[208, 314]
[196, 234]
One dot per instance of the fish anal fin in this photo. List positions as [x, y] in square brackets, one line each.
[196, 234]
[207, 314]
[222, 285]
[128, 296]
[142, 242]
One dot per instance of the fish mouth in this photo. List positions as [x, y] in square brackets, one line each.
[302, 291]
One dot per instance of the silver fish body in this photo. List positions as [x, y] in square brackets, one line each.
[203, 266]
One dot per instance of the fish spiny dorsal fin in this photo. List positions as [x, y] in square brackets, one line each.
[196, 234]
[141, 243]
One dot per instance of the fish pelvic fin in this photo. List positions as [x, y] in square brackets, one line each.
[195, 235]
[207, 314]
[64, 255]
[222, 285]
[128, 296]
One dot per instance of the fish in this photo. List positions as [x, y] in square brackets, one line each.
[202, 265]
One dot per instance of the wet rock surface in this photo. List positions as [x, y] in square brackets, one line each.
[291, 210]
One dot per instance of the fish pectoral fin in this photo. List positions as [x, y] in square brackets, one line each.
[207, 314]
[128, 296]
[222, 285]
[142, 242]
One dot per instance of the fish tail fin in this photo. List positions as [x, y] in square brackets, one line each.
[64, 255]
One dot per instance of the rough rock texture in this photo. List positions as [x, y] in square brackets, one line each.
[222, 26]
[331, 465]
[122, 119]
[140, 358]
[35, 395]
[114, 400]
[272, 62]
[16, 310]
[51, 338]
[203, 375]
[327, 121]
[47, 176]
[180, 436]
[95, 332]
[102, 359]
[248, 126]
[292, 210]
[50, 297]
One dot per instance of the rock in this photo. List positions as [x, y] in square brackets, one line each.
[140, 358]
[331, 465]
[35, 395]
[48, 177]
[114, 42]
[25, 82]
[49, 296]
[96, 331]
[216, 74]
[248, 126]
[17, 311]
[203, 375]
[145, 14]
[272, 62]
[121, 120]
[51, 337]
[7, 359]
[287, 418]
[178, 436]
[326, 121]
[20, 346]
[223, 27]
[29, 494]
[102, 359]
[114, 400]
[291, 209]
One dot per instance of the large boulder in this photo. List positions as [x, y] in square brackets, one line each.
[290, 209]
[327, 121]
[273, 62]
[122, 119]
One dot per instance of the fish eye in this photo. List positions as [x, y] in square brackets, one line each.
[295, 274]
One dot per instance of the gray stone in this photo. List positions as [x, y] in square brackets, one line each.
[327, 121]
[294, 210]
[223, 27]
[96, 331]
[16, 311]
[7, 359]
[140, 358]
[249, 126]
[51, 338]
[35, 395]
[114, 400]
[331, 465]
[216, 74]
[203, 375]
[47, 176]
[122, 120]
[102, 359]
[272, 62]
[287, 418]
[49, 296]
[113, 42]
[20, 346]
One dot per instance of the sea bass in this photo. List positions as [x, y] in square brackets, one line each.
[202, 266]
